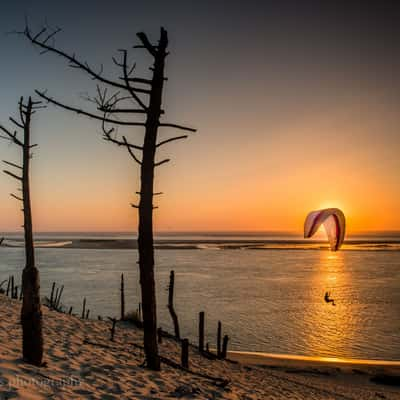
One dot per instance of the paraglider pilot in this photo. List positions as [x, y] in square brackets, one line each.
[328, 299]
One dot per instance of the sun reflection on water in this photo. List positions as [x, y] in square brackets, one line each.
[331, 326]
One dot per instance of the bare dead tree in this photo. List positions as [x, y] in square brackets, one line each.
[31, 314]
[146, 95]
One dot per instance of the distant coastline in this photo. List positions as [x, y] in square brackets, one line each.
[66, 241]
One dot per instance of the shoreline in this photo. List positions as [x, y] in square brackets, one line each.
[291, 360]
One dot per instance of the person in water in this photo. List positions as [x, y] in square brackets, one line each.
[328, 299]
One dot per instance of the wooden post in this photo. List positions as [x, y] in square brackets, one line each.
[83, 308]
[185, 354]
[219, 335]
[12, 286]
[112, 329]
[201, 331]
[8, 286]
[225, 347]
[171, 304]
[57, 305]
[54, 301]
[122, 298]
[52, 294]
[70, 310]
[15, 296]
[21, 292]
[159, 335]
[87, 314]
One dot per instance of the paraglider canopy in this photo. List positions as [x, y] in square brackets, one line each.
[334, 223]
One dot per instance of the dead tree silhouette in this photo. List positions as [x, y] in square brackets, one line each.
[31, 314]
[110, 107]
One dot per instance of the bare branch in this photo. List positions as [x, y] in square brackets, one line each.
[51, 35]
[117, 63]
[154, 194]
[184, 128]
[131, 70]
[11, 136]
[146, 44]
[12, 175]
[108, 105]
[21, 110]
[39, 33]
[128, 86]
[107, 132]
[109, 138]
[72, 59]
[16, 123]
[79, 111]
[12, 164]
[140, 80]
[130, 151]
[157, 164]
[122, 110]
[134, 205]
[16, 197]
[171, 140]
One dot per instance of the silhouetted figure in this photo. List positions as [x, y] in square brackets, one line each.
[328, 299]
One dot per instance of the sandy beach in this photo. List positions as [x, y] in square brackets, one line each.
[82, 362]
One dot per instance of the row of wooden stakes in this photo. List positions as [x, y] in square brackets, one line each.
[12, 289]
[54, 303]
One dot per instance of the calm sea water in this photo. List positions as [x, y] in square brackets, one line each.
[268, 300]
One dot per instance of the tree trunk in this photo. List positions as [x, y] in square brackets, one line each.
[145, 231]
[31, 314]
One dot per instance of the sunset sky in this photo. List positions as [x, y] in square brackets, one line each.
[296, 106]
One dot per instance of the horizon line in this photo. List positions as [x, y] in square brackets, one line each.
[203, 231]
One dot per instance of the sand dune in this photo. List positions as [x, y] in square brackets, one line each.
[112, 370]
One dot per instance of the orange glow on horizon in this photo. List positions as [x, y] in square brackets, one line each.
[269, 183]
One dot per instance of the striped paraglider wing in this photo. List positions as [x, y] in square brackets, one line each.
[333, 221]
